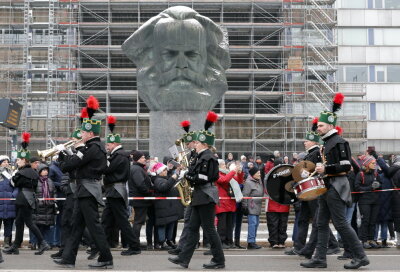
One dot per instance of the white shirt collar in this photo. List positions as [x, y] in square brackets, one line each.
[329, 133]
[115, 149]
[308, 150]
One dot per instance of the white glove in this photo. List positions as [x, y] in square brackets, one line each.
[375, 185]
[69, 151]
[182, 174]
[60, 147]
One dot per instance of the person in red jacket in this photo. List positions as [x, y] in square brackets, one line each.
[277, 220]
[227, 207]
[269, 164]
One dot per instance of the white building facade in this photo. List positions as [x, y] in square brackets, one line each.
[369, 58]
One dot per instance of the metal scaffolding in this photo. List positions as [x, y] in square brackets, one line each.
[283, 52]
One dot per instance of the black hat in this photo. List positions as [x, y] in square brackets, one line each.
[34, 159]
[253, 171]
[136, 155]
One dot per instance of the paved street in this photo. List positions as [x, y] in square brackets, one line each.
[236, 260]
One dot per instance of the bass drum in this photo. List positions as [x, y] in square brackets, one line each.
[279, 184]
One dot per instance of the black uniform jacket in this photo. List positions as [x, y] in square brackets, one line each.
[202, 174]
[140, 185]
[27, 178]
[117, 171]
[63, 159]
[313, 155]
[338, 156]
[90, 162]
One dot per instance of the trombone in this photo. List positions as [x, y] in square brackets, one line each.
[53, 151]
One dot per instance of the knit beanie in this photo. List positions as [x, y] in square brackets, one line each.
[366, 160]
[3, 158]
[253, 171]
[136, 155]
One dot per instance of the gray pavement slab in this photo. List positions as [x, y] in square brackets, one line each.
[236, 260]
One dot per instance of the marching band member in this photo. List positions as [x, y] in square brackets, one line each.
[309, 209]
[332, 204]
[26, 180]
[90, 163]
[115, 178]
[202, 174]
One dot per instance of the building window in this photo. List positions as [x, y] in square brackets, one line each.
[354, 4]
[372, 111]
[387, 111]
[356, 74]
[393, 72]
[355, 36]
[392, 4]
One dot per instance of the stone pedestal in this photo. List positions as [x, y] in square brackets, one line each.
[165, 129]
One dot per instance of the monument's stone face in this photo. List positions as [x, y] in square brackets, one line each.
[181, 58]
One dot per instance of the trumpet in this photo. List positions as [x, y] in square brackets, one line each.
[53, 151]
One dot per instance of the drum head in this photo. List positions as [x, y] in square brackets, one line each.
[302, 170]
[276, 184]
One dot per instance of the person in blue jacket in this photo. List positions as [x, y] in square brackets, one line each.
[7, 207]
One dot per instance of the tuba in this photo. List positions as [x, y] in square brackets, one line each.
[183, 186]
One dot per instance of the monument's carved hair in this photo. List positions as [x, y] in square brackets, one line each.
[138, 47]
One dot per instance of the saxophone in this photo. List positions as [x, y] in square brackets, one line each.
[183, 186]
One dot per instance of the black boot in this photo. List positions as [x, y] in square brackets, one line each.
[102, 265]
[214, 265]
[164, 246]
[42, 248]
[93, 254]
[314, 263]
[174, 251]
[177, 261]
[11, 250]
[130, 251]
[384, 244]
[237, 244]
[357, 263]
[64, 263]
[57, 255]
[171, 244]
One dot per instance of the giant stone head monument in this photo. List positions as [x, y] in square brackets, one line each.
[181, 59]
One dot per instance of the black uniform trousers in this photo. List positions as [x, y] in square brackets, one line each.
[202, 215]
[309, 209]
[24, 215]
[86, 214]
[66, 219]
[309, 247]
[332, 206]
[369, 214]
[115, 213]
[185, 231]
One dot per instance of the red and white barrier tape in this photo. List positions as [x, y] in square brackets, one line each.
[176, 197]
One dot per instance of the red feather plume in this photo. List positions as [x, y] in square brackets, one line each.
[92, 103]
[26, 137]
[314, 124]
[84, 113]
[185, 123]
[339, 129]
[338, 99]
[337, 102]
[212, 117]
[111, 119]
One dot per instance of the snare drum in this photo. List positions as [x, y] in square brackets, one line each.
[310, 188]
